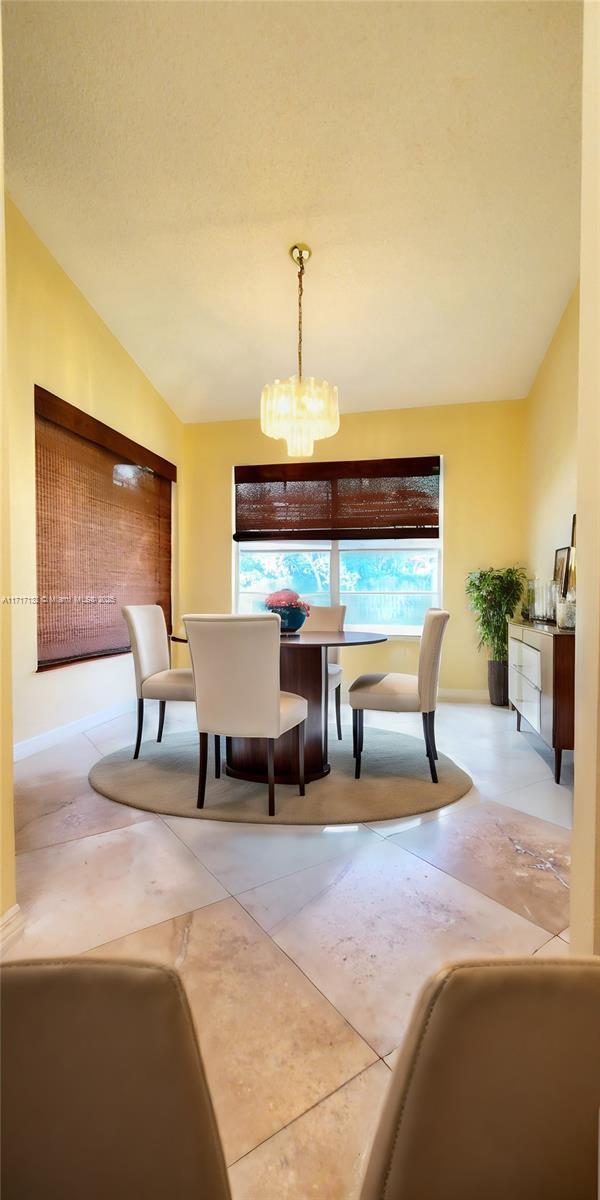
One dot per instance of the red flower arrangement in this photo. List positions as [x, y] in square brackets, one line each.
[285, 598]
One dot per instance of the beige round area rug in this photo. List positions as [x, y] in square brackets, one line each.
[395, 782]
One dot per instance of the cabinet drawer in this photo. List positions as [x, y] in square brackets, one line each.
[531, 664]
[526, 697]
[515, 649]
[526, 660]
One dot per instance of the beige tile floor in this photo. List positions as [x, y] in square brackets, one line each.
[301, 948]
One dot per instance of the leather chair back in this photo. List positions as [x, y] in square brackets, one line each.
[430, 656]
[103, 1088]
[326, 618]
[149, 640]
[497, 1090]
[235, 660]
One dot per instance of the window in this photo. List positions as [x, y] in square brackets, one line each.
[387, 582]
[103, 532]
[387, 587]
[262, 568]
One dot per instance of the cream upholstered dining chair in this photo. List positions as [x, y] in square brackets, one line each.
[497, 1088]
[235, 660]
[155, 679]
[103, 1087]
[330, 619]
[394, 692]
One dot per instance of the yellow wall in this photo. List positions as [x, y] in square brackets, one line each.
[585, 876]
[7, 860]
[552, 445]
[55, 338]
[484, 510]
[492, 453]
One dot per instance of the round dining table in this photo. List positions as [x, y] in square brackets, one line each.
[303, 671]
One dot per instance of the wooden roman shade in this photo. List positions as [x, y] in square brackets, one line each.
[374, 498]
[103, 532]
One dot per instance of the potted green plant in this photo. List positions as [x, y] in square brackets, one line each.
[494, 595]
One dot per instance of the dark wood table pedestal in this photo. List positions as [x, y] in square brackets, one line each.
[303, 672]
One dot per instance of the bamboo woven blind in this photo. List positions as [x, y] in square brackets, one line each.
[374, 498]
[103, 540]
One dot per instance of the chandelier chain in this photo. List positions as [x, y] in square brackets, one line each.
[300, 294]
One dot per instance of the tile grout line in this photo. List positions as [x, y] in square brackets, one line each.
[472, 888]
[499, 799]
[299, 870]
[150, 819]
[154, 925]
[378, 1057]
[162, 817]
[310, 1108]
[550, 939]
[141, 928]
[311, 982]
[277, 878]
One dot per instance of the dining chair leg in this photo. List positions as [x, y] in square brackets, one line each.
[425, 718]
[202, 768]
[301, 740]
[140, 727]
[425, 732]
[429, 747]
[162, 707]
[432, 733]
[360, 718]
[354, 731]
[271, 774]
[338, 710]
[217, 756]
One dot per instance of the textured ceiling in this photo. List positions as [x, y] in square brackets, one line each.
[169, 153]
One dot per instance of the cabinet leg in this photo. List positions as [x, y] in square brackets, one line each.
[557, 764]
[518, 720]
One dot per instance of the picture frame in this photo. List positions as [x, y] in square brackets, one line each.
[574, 531]
[561, 569]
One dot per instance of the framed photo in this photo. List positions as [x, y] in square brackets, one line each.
[561, 569]
[573, 531]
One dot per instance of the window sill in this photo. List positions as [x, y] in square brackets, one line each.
[57, 664]
[392, 633]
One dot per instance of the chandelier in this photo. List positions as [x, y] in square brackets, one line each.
[299, 409]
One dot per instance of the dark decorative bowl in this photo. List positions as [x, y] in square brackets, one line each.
[292, 618]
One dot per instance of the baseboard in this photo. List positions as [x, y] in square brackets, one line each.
[465, 695]
[11, 923]
[42, 741]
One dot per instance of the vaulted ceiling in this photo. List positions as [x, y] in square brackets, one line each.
[169, 153]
